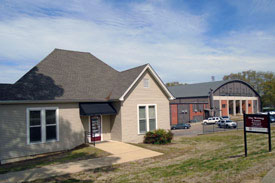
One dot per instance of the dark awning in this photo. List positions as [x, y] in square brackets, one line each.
[99, 108]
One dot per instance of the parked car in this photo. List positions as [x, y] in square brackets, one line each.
[180, 126]
[227, 124]
[272, 118]
[225, 117]
[193, 121]
[212, 120]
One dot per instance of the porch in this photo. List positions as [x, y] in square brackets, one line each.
[97, 120]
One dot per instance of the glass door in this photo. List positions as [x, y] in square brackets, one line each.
[95, 128]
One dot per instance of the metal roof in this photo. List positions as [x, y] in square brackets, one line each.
[195, 90]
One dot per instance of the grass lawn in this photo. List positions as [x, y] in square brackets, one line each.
[215, 157]
[79, 153]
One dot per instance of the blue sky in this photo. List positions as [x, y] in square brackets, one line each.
[186, 41]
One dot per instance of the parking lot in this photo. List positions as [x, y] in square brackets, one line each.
[214, 128]
[199, 129]
[196, 129]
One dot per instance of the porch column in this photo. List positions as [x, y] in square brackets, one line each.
[220, 103]
[228, 107]
[241, 107]
[252, 105]
[234, 107]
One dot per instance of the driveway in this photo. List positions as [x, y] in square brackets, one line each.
[121, 153]
[196, 129]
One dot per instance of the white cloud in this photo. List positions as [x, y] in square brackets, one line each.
[174, 44]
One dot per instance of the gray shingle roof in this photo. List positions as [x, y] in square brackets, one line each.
[195, 90]
[3, 89]
[71, 75]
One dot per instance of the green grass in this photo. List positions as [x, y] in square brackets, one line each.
[226, 161]
[206, 158]
[79, 153]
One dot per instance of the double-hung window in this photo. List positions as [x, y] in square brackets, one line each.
[147, 120]
[42, 125]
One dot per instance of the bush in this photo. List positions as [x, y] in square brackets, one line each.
[159, 136]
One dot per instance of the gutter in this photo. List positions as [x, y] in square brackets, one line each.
[53, 101]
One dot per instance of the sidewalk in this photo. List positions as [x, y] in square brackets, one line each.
[269, 177]
[121, 153]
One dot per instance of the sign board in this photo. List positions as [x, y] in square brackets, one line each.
[257, 123]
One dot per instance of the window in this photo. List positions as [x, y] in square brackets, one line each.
[146, 83]
[42, 125]
[50, 124]
[35, 126]
[223, 105]
[195, 107]
[147, 120]
[152, 118]
[142, 119]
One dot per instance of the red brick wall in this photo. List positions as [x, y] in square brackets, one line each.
[224, 110]
[174, 113]
[192, 113]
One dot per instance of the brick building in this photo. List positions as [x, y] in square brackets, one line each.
[195, 102]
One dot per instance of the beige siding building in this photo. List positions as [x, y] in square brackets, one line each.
[140, 96]
[46, 111]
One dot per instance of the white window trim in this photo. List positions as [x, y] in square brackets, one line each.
[43, 123]
[147, 116]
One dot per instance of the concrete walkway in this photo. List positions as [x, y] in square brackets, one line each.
[121, 153]
[269, 177]
[125, 152]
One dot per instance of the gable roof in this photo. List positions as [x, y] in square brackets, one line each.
[195, 90]
[155, 76]
[71, 76]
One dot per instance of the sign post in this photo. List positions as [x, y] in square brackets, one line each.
[256, 123]
[244, 127]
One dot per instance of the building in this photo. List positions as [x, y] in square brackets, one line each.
[195, 102]
[71, 97]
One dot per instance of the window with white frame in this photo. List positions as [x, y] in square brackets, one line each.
[152, 118]
[42, 125]
[146, 83]
[147, 118]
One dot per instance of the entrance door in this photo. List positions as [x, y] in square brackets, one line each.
[206, 114]
[95, 128]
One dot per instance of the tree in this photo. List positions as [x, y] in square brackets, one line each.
[268, 88]
[174, 83]
[262, 82]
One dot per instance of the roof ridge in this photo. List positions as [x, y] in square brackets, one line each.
[103, 62]
[59, 49]
[35, 66]
[200, 83]
[82, 52]
[134, 68]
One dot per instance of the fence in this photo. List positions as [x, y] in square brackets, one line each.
[212, 128]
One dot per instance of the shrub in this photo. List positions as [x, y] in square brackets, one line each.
[159, 136]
